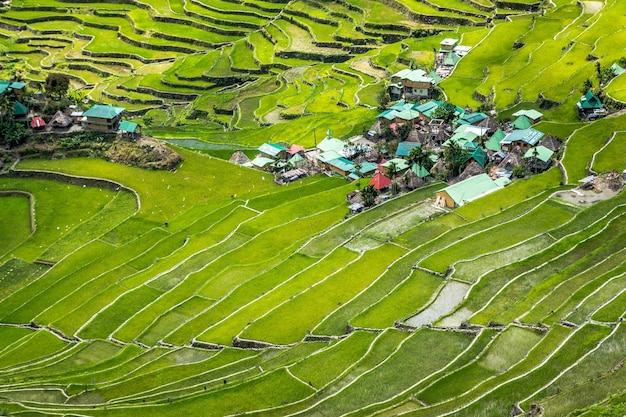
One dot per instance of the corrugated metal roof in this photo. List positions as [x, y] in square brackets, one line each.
[543, 154]
[103, 112]
[471, 189]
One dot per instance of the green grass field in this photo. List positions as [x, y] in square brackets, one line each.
[211, 290]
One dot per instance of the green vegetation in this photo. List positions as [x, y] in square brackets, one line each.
[211, 290]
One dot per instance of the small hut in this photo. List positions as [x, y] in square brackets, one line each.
[413, 136]
[513, 159]
[380, 182]
[239, 158]
[439, 167]
[37, 123]
[471, 170]
[61, 120]
[550, 142]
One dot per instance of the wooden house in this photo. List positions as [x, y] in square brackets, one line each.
[103, 117]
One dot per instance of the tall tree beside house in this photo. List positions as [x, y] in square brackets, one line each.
[11, 132]
[368, 195]
[535, 155]
[420, 157]
[453, 156]
[56, 85]
[357, 171]
[391, 170]
[445, 112]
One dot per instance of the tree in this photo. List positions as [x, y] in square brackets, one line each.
[57, 84]
[147, 121]
[445, 112]
[453, 156]
[587, 85]
[420, 157]
[391, 170]
[369, 194]
[357, 171]
[76, 96]
[535, 157]
[11, 132]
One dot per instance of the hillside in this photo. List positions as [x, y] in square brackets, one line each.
[210, 290]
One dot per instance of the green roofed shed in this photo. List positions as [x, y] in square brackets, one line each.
[589, 101]
[297, 160]
[521, 122]
[451, 60]
[419, 170]
[465, 191]
[493, 143]
[126, 126]
[543, 154]
[19, 110]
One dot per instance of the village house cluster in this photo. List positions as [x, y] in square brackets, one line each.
[488, 154]
[98, 117]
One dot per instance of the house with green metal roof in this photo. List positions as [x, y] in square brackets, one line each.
[16, 87]
[472, 118]
[451, 59]
[533, 115]
[539, 157]
[262, 163]
[297, 161]
[341, 166]
[404, 148]
[103, 117]
[411, 84]
[465, 191]
[522, 122]
[493, 144]
[523, 139]
[590, 107]
[273, 150]
[478, 155]
[331, 144]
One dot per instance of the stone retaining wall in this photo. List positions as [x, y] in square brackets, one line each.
[31, 202]
[74, 180]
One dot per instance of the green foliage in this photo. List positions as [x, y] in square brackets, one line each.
[57, 84]
[369, 194]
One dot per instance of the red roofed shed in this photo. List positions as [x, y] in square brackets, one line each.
[379, 181]
[37, 122]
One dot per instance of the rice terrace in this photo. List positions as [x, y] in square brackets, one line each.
[312, 207]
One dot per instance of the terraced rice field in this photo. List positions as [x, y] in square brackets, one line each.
[246, 65]
[211, 291]
[272, 302]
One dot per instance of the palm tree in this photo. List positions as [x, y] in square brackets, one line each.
[420, 157]
[357, 171]
[391, 170]
[453, 157]
[369, 194]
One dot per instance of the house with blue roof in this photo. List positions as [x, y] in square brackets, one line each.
[103, 117]
[523, 139]
[404, 149]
